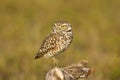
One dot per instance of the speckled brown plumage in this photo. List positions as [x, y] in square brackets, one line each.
[57, 41]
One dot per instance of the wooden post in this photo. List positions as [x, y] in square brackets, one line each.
[73, 72]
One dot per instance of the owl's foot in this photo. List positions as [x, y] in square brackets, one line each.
[55, 61]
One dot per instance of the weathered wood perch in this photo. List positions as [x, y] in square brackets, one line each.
[72, 72]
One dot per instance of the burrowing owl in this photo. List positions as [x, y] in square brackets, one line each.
[57, 41]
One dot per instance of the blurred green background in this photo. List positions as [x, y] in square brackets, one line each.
[25, 23]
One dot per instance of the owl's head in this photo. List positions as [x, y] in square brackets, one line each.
[62, 26]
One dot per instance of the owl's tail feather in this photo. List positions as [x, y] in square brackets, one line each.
[38, 55]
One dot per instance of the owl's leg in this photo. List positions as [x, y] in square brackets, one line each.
[55, 61]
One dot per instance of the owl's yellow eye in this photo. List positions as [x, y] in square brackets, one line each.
[64, 26]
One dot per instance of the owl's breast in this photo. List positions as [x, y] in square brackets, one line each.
[61, 43]
[65, 41]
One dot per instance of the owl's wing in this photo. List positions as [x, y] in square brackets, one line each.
[48, 44]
